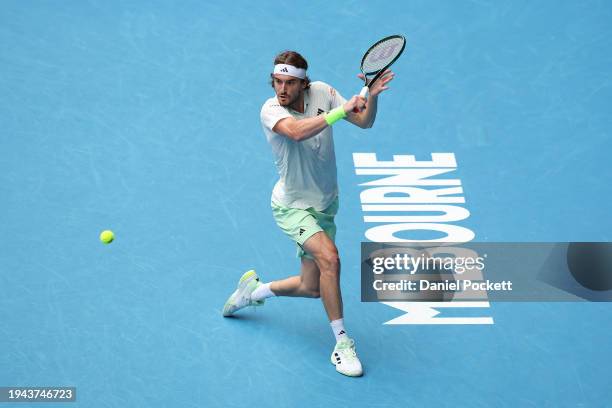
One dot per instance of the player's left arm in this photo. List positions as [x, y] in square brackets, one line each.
[365, 118]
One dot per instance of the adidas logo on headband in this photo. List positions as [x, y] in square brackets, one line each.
[284, 70]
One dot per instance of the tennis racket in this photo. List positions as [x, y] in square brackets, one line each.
[378, 58]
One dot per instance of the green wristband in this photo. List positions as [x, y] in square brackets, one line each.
[335, 115]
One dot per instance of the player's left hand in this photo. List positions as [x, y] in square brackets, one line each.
[381, 84]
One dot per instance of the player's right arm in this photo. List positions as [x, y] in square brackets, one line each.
[300, 129]
[303, 129]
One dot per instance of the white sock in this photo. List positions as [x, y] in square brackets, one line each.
[262, 292]
[338, 329]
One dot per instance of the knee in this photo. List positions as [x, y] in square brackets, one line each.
[330, 263]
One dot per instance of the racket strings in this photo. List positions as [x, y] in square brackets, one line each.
[382, 54]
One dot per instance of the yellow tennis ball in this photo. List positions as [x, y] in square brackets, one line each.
[107, 236]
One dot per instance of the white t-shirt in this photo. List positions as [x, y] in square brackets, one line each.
[307, 169]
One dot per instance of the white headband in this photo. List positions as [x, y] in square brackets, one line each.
[290, 70]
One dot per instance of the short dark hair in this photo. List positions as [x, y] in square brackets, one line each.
[291, 58]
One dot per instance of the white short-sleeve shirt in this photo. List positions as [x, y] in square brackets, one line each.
[307, 169]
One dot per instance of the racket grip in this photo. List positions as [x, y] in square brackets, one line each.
[363, 93]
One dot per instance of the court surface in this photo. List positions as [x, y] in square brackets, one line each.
[143, 118]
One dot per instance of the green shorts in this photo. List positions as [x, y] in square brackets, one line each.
[302, 224]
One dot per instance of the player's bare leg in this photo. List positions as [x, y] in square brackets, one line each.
[325, 253]
[304, 285]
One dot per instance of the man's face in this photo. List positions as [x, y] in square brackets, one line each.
[288, 89]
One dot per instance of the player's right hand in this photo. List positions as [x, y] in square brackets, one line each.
[355, 104]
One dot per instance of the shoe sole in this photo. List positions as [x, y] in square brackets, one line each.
[347, 374]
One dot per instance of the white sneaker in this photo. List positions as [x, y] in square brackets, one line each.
[241, 298]
[345, 359]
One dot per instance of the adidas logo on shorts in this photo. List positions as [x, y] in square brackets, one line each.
[302, 230]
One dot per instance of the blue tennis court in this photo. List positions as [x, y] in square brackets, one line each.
[143, 118]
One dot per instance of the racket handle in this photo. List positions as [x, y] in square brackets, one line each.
[363, 93]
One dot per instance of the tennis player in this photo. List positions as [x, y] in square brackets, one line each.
[298, 124]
